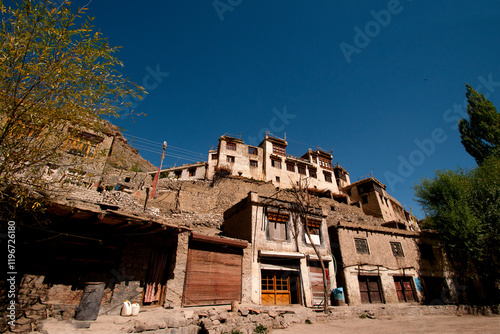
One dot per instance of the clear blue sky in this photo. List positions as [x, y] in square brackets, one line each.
[368, 79]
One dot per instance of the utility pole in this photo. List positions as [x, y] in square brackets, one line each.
[155, 181]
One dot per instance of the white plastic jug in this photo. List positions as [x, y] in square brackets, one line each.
[135, 308]
[126, 309]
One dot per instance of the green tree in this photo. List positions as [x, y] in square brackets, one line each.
[464, 207]
[481, 133]
[56, 71]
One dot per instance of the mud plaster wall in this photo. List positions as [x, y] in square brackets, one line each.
[175, 283]
[379, 262]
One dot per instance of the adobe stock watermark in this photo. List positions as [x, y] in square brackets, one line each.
[427, 146]
[277, 124]
[223, 6]
[11, 273]
[150, 82]
[363, 37]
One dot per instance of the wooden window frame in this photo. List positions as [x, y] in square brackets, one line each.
[361, 245]
[279, 149]
[252, 150]
[254, 163]
[278, 218]
[312, 173]
[230, 146]
[301, 170]
[328, 177]
[397, 249]
[276, 163]
[230, 158]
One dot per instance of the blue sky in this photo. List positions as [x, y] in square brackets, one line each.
[382, 83]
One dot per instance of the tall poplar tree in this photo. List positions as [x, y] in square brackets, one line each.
[481, 133]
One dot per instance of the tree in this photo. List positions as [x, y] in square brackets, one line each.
[302, 208]
[56, 72]
[481, 134]
[464, 208]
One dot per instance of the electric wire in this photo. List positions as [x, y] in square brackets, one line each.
[187, 158]
[154, 143]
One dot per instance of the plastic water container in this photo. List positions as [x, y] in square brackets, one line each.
[135, 309]
[126, 309]
[338, 294]
[338, 297]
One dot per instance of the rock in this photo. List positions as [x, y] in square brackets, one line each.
[188, 314]
[222, 317]
[235, 306]
[244, 311]
[216, 322]
[254, 311]
[273, 314]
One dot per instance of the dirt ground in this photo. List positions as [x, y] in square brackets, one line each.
[399, 324]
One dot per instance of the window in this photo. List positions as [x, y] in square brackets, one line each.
[178, 174]
[231, 146]
[214, 156]
[254, 163]
[302, 170]
[364, 199]
[277, 179]
[252, 150]
[397, 249]
[323, 162]
[276, 163]
[192, 172]
[278, 227]
[328, 177]
[230, 158]
[290, 167]
[81, 147]
[312, 173]
[279, 149]
[314, 227]
[361, 246]
[426, 252]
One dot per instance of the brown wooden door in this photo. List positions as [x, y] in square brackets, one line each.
[213, 275]
[316, 278]
[404, 289]
[369, 288]
[275, 288]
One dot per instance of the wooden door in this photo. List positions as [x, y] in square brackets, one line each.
[213, 275]
[275, 288]
[369, 288]
[316, 279]
[404, 289]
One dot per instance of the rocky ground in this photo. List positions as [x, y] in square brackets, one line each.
[291, 319]
[402, 324]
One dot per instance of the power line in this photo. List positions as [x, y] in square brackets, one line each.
[188, 158]
[132, 137]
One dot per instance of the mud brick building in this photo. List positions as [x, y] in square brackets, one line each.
[283, 266]
[216, 232]
[378, 264]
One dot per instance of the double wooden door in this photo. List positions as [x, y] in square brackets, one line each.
[369, 288]
[404, 288]
[279, 287]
